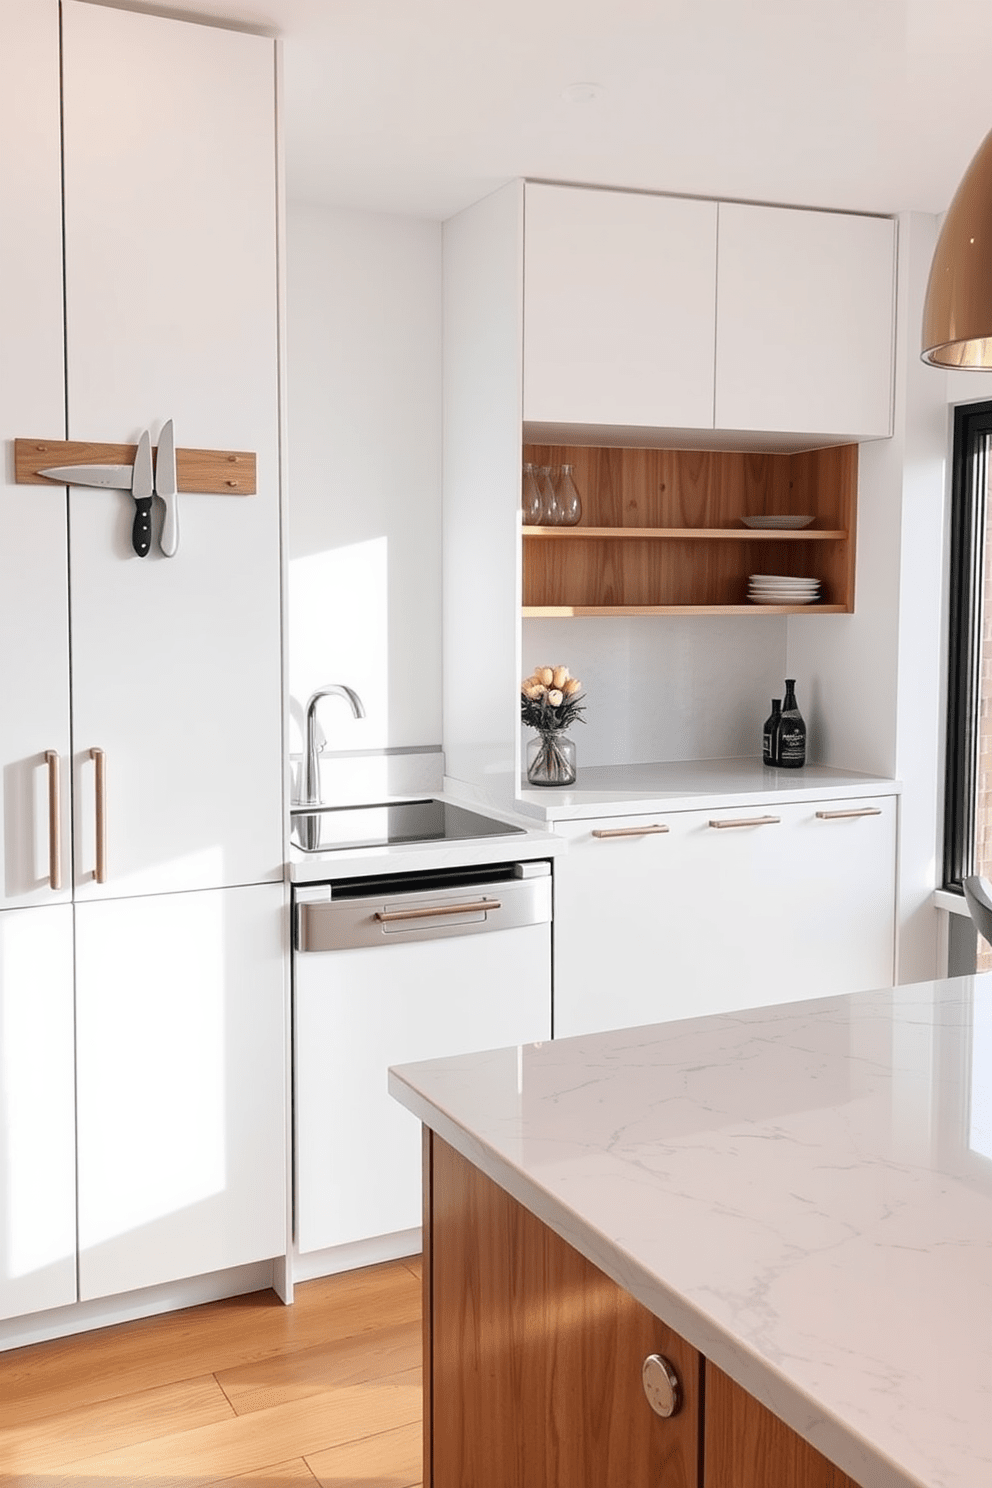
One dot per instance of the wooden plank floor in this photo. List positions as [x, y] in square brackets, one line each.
[244, 1391]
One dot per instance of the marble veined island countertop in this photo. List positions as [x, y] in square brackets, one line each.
[804, 1192]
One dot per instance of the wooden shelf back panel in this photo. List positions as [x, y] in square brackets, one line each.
[203, 472]
[703, 559]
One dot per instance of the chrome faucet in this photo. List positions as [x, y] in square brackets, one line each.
[310, 794]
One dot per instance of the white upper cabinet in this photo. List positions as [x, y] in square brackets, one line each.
[804, 322]
[655, 312]
[34, 633]
[619, 304]
[171, 309]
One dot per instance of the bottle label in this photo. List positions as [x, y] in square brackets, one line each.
[792, 744]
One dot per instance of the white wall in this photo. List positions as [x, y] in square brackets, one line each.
[666, 687]
[364, 415]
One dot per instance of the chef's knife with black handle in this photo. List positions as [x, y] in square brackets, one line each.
[142, 489]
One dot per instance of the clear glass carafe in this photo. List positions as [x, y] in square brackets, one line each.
[550, 513]
[567, 496]
[531, 503]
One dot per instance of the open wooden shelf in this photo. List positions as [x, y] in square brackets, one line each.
[660, 532]
[693, 534]
[564, 612]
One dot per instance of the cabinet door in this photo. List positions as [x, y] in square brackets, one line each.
[180, 1005]
[805, 330]
[34, 634]
[746, 1446]
[37, 1111]
[535, 1357]
[619, 306]
[360, 1011]
[171, 295]
[707, 919]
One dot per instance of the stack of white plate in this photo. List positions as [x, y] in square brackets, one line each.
[777, 524]
[782, 589]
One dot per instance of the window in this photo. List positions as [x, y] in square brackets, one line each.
[968, 800]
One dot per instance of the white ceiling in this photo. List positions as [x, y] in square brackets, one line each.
[422, 106]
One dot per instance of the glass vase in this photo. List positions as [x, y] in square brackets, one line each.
[551, 759]
[569, 504]
[531, 502]
[550, 513]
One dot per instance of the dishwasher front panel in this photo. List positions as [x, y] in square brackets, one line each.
[394, 917]
[360, 1009]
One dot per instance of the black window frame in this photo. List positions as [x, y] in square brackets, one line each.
[969, 512]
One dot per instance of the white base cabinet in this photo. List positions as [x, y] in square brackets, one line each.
[37, 1111]
[180, 1016]
[705, 918]
[358, 1011]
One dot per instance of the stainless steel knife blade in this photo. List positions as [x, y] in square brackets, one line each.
[142, 489]
[111, 477]
[165, 487]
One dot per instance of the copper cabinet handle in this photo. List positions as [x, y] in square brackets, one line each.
[629, 831]
[390, 916]
[54, 820]
[836, 815]
[661, 1385]
[99, 759]
[747, 821]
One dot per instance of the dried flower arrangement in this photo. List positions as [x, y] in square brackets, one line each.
[551, 700]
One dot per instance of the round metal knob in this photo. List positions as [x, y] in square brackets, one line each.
[661, 1385]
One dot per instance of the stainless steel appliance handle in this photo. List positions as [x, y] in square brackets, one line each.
[837, 815]
[747, 821]
[629, 831]
[99, 759]
[391, 916]
[54, 820]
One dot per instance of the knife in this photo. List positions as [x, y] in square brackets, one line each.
[110, 477]
[165, 487]
[142, 489]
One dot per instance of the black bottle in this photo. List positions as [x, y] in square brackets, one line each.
[792, 731]
[770, 734]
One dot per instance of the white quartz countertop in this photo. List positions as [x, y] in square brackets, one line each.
[684, 785]
[804, 1192]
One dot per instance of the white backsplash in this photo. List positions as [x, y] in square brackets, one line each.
[372, 775]
[666, 687]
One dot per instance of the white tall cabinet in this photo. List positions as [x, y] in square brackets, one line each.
[142, 1050]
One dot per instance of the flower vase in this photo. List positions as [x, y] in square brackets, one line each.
[551, 759]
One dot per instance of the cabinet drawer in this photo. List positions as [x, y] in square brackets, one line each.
[729, 908]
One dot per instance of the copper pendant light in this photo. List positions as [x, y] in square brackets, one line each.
[957, 312]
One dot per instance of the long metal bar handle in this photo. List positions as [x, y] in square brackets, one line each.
[747, 821]
[54, 820]
[836, 815]
[629, 831]
[390, 916]
[99, 759]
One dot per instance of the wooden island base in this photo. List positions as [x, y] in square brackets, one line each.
[532, 1366]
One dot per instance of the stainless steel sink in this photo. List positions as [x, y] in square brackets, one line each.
[321, 829]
